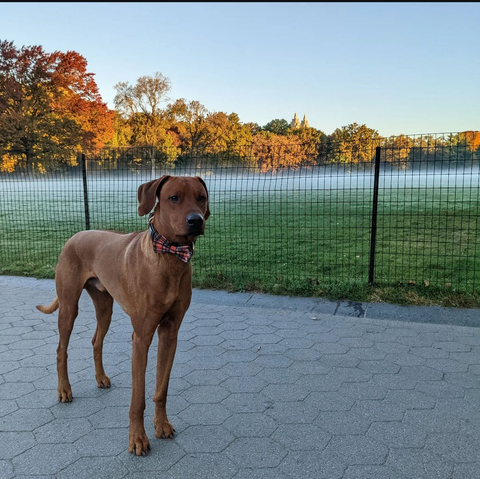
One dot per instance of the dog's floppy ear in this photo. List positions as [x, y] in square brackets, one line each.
[148, 193]
[207, 214]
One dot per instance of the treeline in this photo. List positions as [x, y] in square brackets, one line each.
[51, 110]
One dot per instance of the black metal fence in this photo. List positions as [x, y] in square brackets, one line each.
[403, 210]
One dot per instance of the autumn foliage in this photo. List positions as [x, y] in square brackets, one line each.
[276, 152]
[51, 110]
[50, 107]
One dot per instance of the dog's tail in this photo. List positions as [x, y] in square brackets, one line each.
[48, 309]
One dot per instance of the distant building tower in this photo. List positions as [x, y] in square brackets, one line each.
[295, 122]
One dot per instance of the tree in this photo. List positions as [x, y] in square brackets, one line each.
[397, 150]
[79, 100]
[202, 131]
[426, 149]
[192, 118]
[238, 136]
[122, 132]
[354, 144]
[471, 141]
[279, 127]
[311, 140]
[254, 128]
[463, 146]
[50, 107]
[276, 152]
[140, 105]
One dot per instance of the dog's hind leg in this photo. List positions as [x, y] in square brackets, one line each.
[103, 303]
[67, 313]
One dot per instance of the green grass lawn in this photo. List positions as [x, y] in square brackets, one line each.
[312, 243]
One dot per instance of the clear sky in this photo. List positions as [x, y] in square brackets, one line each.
[397, 67]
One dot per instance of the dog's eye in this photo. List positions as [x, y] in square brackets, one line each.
[202, 198]
[174, 198]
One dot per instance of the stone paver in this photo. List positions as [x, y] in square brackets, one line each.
[261, 387]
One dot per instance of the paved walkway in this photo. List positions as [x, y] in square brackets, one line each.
[262, 387]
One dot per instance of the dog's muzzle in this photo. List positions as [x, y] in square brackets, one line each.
[195, 224]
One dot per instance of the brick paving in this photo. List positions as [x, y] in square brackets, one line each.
[262, 387]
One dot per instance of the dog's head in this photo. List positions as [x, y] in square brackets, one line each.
[182, 207]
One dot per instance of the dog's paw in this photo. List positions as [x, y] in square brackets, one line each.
[65, 393]
[163, 429]
[103, 381]
[138, 443]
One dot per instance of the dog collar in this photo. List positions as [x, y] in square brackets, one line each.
[163, 245]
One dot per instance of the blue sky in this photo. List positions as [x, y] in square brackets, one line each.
[397, 67]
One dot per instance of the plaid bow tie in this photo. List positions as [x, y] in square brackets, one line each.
[162, 245]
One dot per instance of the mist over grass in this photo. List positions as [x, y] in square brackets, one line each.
[302, 233]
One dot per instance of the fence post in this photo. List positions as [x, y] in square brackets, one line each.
[85, 191]
[154, 173]
[373, 237]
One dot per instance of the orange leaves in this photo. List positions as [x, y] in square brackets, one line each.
[49, 106]
[274, 152]
[471, 138]
[8, 163]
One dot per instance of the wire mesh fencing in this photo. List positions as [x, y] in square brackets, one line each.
[284, 219]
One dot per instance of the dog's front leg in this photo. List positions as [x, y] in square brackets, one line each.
[167, 345]
[138, 440]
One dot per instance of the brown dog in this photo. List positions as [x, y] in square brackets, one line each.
[153, 289]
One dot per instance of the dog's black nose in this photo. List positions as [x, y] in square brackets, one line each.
[195, 221]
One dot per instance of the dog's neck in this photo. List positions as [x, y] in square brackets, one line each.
[163, 245]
